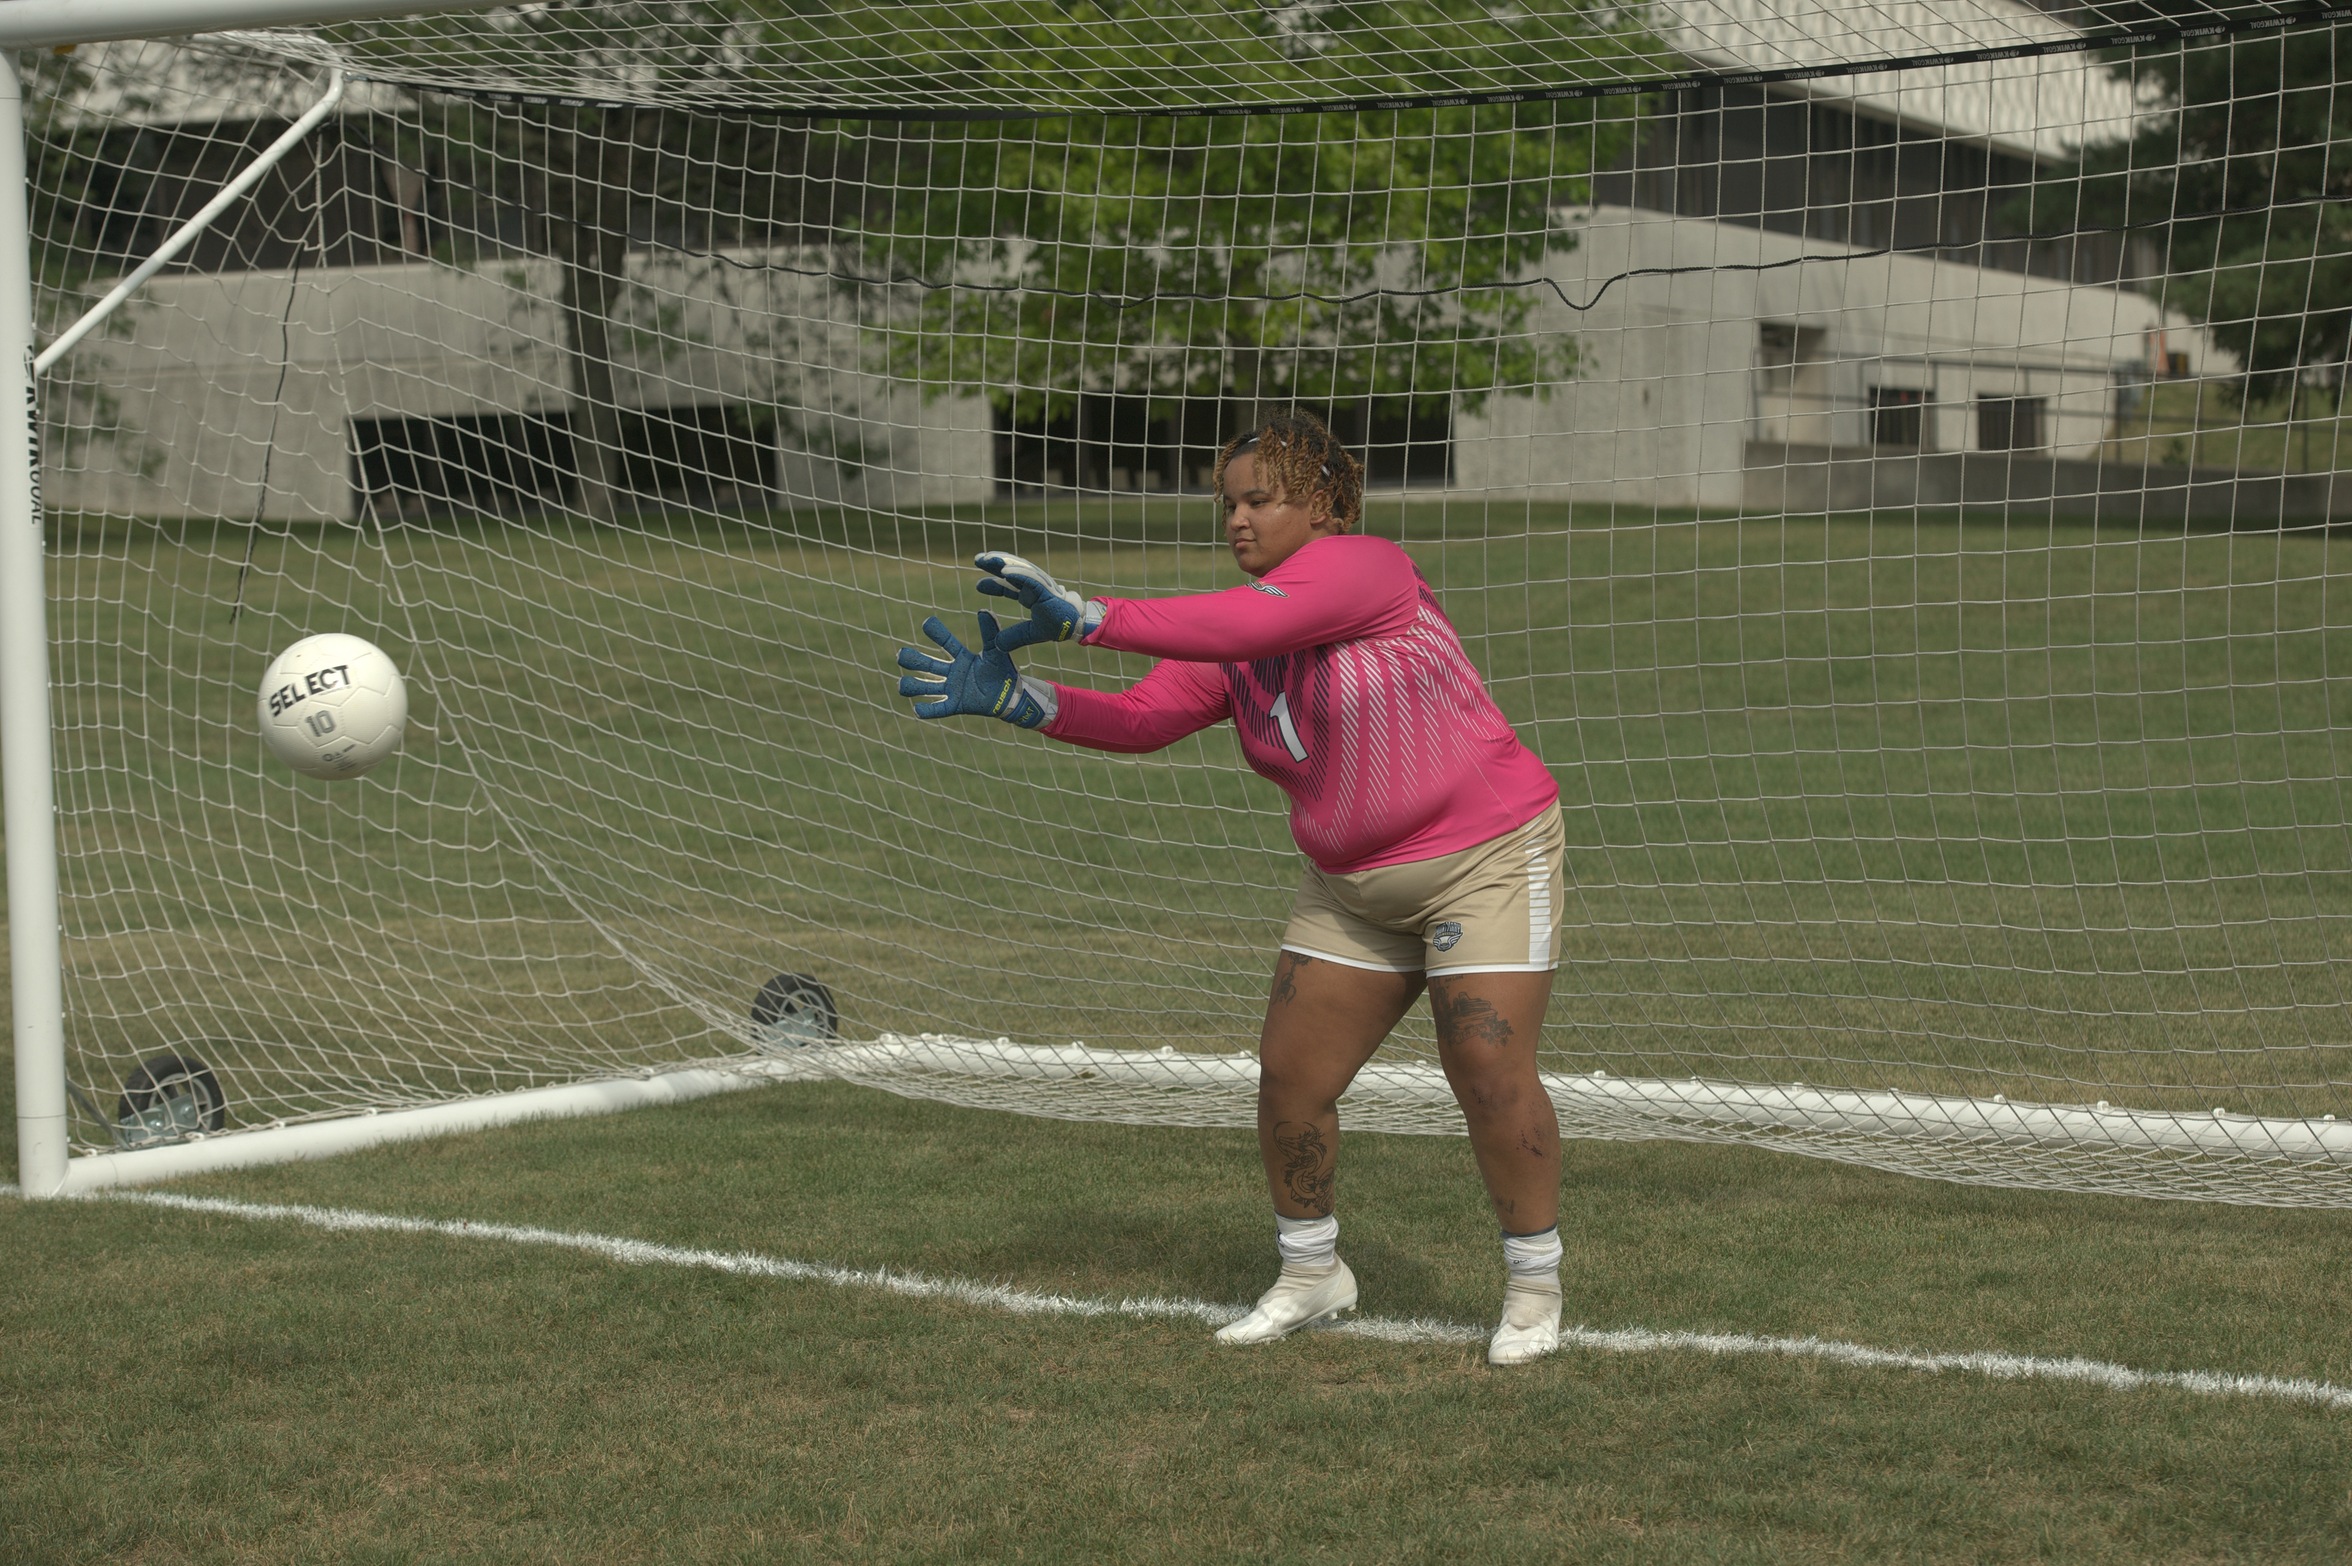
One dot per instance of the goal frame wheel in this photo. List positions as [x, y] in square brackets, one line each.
[168, 1098]
[793, 1011]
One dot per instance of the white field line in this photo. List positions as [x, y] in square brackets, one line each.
[1027, 1302]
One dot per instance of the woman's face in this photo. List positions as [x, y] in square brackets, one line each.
[1263, 529]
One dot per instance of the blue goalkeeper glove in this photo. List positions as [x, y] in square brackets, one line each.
[968, 683]
[1055, 613]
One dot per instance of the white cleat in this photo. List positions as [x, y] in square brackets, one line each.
[1299, 1298]
[1531, 1323]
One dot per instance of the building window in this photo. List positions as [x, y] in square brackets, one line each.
[2011, 423]
[510, 464]
[1898, 417]
[709, 454]
[1134, 445]
[500, 464]
[1782, 350]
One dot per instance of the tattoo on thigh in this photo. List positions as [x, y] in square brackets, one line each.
[1287, 967]
[1307, 1172]
[1464, 1018]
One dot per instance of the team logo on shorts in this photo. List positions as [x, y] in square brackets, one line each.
[1445, 937]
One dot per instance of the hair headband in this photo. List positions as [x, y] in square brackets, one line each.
[1249, 443]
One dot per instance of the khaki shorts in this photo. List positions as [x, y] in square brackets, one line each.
[1490, 909]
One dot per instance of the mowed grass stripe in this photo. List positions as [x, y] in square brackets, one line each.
[194, 1387]
[1027, 1302]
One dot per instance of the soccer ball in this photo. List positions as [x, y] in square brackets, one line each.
[332, 706]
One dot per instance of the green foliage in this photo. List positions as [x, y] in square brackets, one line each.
[646, 44]
[2245, 175]
[1296, 256]
[1307, 257]
[1060, 56]
[65, 178]
[1284, 256]
[60, 161]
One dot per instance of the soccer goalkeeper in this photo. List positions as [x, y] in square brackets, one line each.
[1433, 837]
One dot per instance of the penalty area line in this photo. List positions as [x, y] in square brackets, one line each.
[1030, 1302]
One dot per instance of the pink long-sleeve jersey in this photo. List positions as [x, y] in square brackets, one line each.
[1351, 690]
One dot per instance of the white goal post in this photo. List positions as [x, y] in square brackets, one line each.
[1936, 625]
[36, 966]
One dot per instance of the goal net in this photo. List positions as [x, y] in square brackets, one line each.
[1884, 458]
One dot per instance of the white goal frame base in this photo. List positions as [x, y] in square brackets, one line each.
[1399, 1097]
[2095, 1148]
[1169, 1087]
[208, 1154]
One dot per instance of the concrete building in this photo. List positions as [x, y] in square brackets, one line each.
[1814, 296]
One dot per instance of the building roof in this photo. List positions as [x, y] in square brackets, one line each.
[2047, 107]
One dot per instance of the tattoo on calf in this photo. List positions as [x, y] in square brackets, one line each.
[1463, 1018]
[1307, 1172]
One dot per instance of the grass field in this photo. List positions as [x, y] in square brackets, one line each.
[1934, 799]
[1951, 804]
[182, 1387]
[2211, 425]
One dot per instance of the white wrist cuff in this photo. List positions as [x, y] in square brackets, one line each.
[1044, 695]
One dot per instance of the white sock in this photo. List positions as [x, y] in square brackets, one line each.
[1307, 1242]
[1535, 1257]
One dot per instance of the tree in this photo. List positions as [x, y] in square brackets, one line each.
[1274, 257]
[596, 179]
[1313, 257]
[72, 190]
[2243, 175]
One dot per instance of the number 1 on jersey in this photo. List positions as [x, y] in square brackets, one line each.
[1280, 713]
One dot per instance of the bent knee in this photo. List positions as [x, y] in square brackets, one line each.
[1297, 1090]
[1496, 1085]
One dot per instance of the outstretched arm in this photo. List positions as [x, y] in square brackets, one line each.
[1334, 590]
[1174, 700]
[1056, 614]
